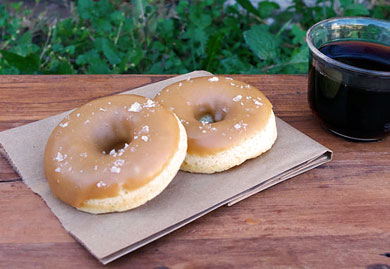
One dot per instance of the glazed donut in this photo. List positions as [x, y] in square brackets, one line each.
[227, 121]
[114, 153]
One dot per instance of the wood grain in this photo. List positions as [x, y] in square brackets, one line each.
[335, 216]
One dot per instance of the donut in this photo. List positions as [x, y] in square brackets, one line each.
[227, 121]
[114, 154]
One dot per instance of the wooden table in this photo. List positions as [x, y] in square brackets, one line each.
[335, 216]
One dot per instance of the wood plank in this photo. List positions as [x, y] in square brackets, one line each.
[335, 216]
[36, 97]
[7, 173]
[25, 218]
[272, 228]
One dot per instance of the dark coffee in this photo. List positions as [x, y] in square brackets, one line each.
[348, 102]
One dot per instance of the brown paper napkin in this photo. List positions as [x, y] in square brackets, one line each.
[187, 198]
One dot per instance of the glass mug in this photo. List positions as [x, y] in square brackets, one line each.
[350, 100]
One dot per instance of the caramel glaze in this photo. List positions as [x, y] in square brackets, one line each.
[238, 111]
[122, 140]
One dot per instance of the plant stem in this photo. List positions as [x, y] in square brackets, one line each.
[119, 31]
[47, 42]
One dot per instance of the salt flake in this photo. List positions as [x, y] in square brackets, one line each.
[150, 103]
[135, 107]
[257, 103]
[213, 79]
[119, 162]
[237, 98]
[59, 157]
[115, 169]
[101, 184]
[63, 125]
[145, 129]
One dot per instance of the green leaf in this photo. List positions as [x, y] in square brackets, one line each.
[24, 45]
[130, 60]
[16, 6]
[356, 10]
[166, 28]
[64, 68]
[9, 71]
[84, 8]
[196, 34]
[128, 25]
[299, 34]
[26, 65]
[158, 46]
[57, 48]
[64, 28]
[102, 25]
[99, 67]
[266, 8]
[117, 16]
[181, 8]
[87, 57]
[234, 65]
[262, 42]
[301, 57]
[70, 49]
[200, 20]
[25, 38]
[111, 52]
[212, 49]
[346, 3]
[247, 5]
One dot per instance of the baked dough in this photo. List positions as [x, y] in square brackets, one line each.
[227, 121]
[114, 153]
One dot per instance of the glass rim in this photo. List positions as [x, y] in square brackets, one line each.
[336, 63]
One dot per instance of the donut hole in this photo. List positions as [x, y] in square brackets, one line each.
[113, 136]
[207, 118]
[116, 145]
[210, 116]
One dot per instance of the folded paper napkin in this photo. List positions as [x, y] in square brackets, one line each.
[187, 198]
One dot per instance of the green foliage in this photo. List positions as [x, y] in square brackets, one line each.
[150, 36]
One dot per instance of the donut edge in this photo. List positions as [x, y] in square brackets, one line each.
[249, 148]
[126, 199]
